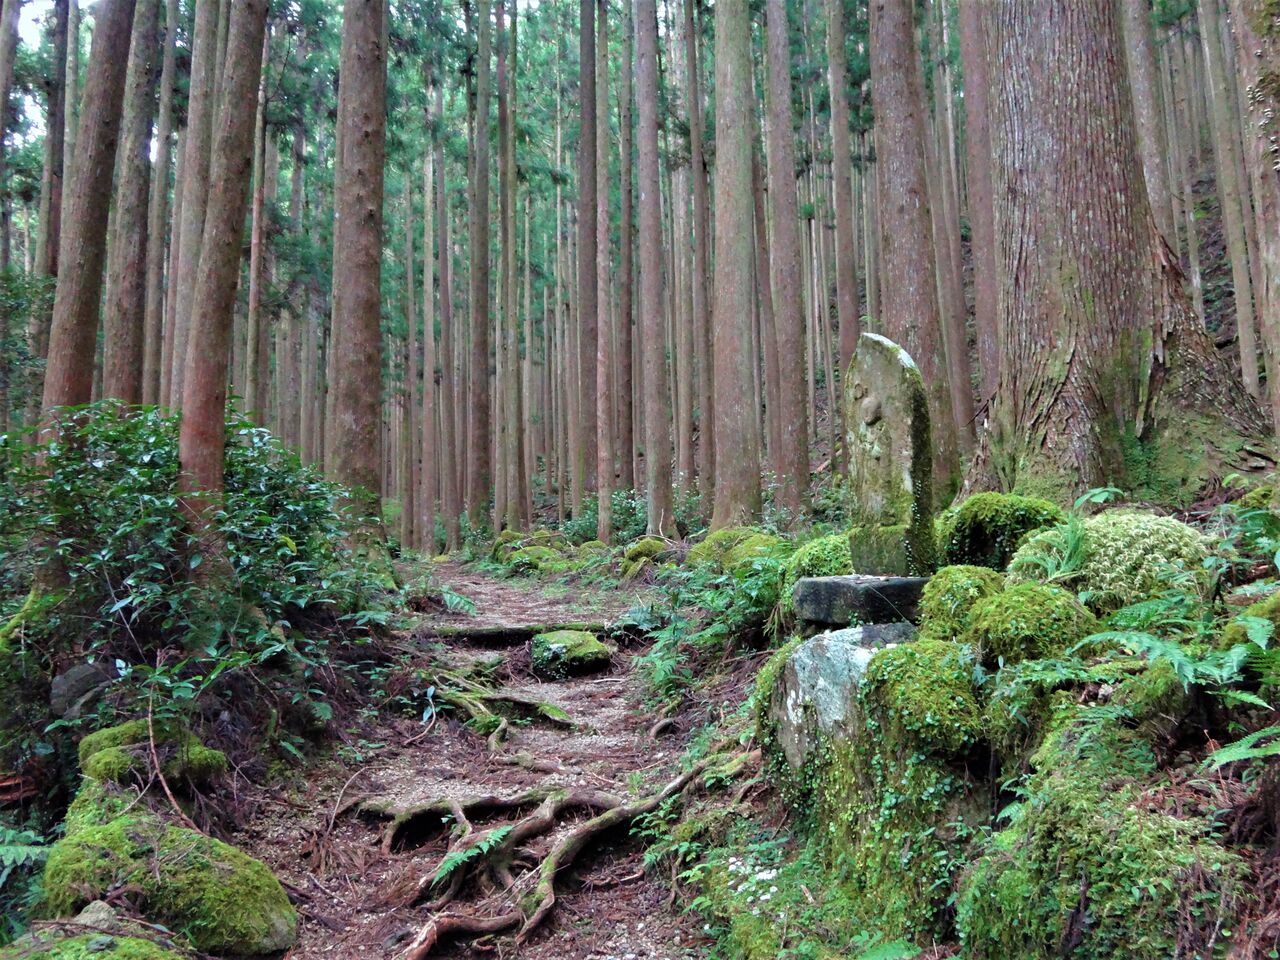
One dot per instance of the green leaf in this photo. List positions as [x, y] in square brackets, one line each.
[1258, 629]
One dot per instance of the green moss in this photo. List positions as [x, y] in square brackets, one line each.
[765, 726]
[922, 698]
[1086, 868]
[738, 559]
[536, 559]
[882, 550]
[1268, 608]
[987, 528]
[114, 753]
[566, 653]
[710, 552]
[642, 555]
[58, 945]
[220, 899]
[950, 596]
[1259, 498]
[822, 557]
[1030, 621]
[1117, 558]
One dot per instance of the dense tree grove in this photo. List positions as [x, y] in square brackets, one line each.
[650, 323]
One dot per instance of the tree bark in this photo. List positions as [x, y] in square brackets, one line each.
[82, 247]
[584, 444]
[479, 473]
[202, 437]
[1101, 349]
[626, 295]
[253, 364]
[450, 493]
[737, 476]
[1140, 47]
[352, 435]
[603, 358]
[123, 340]
[702, 287]
[842, 176]
[153, 320]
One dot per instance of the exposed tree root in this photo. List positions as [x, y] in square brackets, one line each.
[489, 857]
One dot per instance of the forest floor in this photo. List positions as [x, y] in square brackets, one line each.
[356, 885]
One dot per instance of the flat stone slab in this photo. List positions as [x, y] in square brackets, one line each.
[858, 599]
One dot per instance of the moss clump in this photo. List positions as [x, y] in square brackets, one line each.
[536, 559]
[1116, 558]
[642, 555]
[922, 699]
[511, 542]
[1030, 621]
[793, 788]
[900, 550]
[710, 552]
[114, 753]
[568, 653]
[57, 945]
[987, 528]
[738, 559]
[951, 594]
[1236, 632]
[823, 557]
[1259, 498]
[1087, 866]
[220, 899]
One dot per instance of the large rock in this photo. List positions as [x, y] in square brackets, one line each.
[890, 484]
[815, 696]
[858, 599]
[72, 688]
[568, 653]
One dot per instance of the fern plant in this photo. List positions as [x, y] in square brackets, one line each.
[457, 859]
[1256, 746]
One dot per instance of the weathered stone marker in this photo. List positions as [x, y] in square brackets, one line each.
[890, 484]
[857, 599]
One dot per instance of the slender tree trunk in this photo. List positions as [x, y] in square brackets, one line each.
[841, 173]
[123, 340]
[479, 474]
[584, 452]
[604, 386]
[202, 438]
[450, 492]
[82, 248]
[352, 437]
[1100, 346]
[702, 283]
[409, 501]
[157, 217]
[737, 476]
[792, 457]
[430, 455]
[253, 325]
[910, 310]
[1139, 44]
[626, 383]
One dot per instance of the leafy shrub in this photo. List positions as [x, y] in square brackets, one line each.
[1116, 558]
[987, 528]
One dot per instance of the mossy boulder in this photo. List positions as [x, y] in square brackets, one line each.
[821, 557]
[510, 542]
[950, 596]
[921, 698]
[1259, 498]
[1116, 558]
[536, 559]
[115, 753]
[569, 653]
[710, 552]
[987, 528]
[220, 899]
[67, 945]
[1089, 867]
[739, 558]
[1237, 630]
[1029, 621]
[642, 555]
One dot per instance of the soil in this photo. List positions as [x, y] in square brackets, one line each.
[326, 839]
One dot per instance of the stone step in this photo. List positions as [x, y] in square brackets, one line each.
[858, 599]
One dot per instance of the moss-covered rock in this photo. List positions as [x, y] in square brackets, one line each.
[642, 555]
[902, 550]
[115, 753]
[950, 596]
[921, 697]
[1029, 621]
[1116, 558]
[1089, 867]
[710, 552]
[68, 945]
[987, 528]
[536, 559]
[821, 557]
[738, 559]
[220, 899]
[568, 653]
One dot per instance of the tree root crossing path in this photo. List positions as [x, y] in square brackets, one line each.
[509, 835]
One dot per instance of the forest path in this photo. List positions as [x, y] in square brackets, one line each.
[357, 876]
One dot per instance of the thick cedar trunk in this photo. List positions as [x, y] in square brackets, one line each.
[657, 436]
[1100, 346]
[584, 444]
[430, 459]
[352, 434]
[72, 336]
[792, 457]
[153, 321]
[768, 328]
[194, 184]
[626, 385]
[202, 440]
[842, 175]
[910, 312]
[603, 358]
[737, 476]
[409, 500]
[123, 341]
[450, 492]
[703, 287]
[977, 86]
[478, 457]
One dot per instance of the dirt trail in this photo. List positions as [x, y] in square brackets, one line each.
[353, 892]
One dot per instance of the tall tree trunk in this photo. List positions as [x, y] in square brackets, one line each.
[157, 217]
[842, 175]
[123, 340]
[1100, 347]
[409, 508]
[479, 474]
[8, 51]
[352, 436]
[202, 437]
[792, 456]
[82, 248]
[430, 457]
[1139, 44]
[626, 384]
[604, 387]
[657, 436]
[737, 477]
[450, 492]
[702, 283]
[253, 365]
[910, 311]
[584, 452]
[194, 184]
